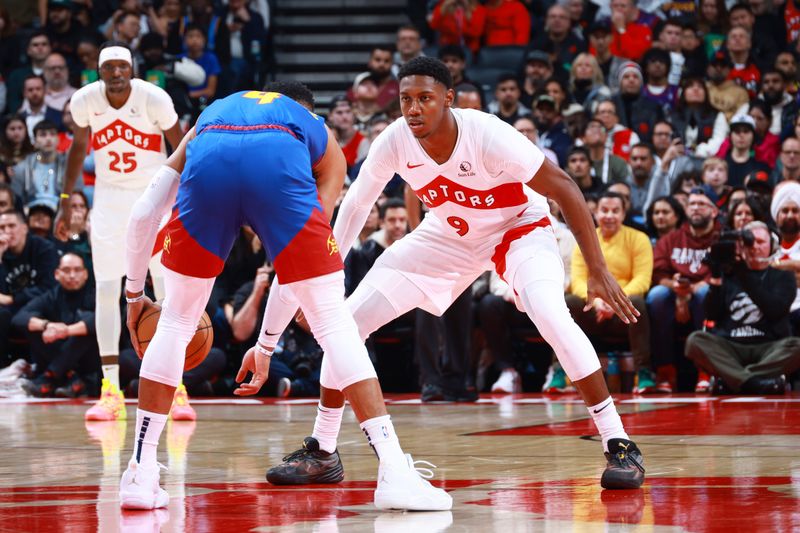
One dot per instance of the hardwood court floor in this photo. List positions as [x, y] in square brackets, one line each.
[512, 463]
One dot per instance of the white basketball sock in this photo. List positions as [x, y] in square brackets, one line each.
[111, 373]
[326, 426]
[608, 422]
[381, 436]
[146, 435]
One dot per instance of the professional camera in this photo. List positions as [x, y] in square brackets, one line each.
[722, 255]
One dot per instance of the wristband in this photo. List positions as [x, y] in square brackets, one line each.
[263, 350]
[64, 196]
[135, 299]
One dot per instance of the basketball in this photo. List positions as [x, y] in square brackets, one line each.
[198, 347]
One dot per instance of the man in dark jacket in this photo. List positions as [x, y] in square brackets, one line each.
[635, 111]
[27, 263]
[60, 328]
[749, 350]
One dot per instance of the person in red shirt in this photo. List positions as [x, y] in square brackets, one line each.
[342, 122]
[507, 23]
[680, 282]
[744, 71]
[630, 39]
[459, 22]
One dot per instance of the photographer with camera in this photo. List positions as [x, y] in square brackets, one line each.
[749, 349]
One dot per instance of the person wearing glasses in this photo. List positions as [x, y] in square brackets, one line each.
[680, 282]
[788, 168]
[129, 119]
[57, 90]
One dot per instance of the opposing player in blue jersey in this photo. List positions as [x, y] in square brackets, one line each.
[262, 159]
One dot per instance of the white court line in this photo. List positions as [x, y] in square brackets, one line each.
[669, 400]
[761, 399]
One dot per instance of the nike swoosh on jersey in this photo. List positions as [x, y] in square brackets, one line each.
[409, 165]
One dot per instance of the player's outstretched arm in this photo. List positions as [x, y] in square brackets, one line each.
[329, 172]
[554, 183]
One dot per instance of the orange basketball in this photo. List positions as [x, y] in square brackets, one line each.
[198, 347]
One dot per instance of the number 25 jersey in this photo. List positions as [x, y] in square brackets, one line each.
[128, 142]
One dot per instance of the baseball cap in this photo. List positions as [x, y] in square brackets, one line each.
[720, 57]
[544, 99]
[41, 203]
[743, 119]
[758, 180]
[540, 57]
[599, 26]
[573, 109]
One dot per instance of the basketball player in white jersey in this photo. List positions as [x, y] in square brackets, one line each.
[126, 120]
[485, 186]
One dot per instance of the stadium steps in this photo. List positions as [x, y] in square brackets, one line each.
[326, 43]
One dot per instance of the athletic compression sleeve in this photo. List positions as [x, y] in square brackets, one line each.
[357, 203]
[146, 215]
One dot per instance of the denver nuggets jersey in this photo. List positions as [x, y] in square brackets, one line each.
[250, 111]
[251, 163]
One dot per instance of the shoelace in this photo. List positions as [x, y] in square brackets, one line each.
[424, 473]
[297, 454]
[623, 456]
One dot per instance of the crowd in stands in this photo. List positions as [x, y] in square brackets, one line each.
[679, 126]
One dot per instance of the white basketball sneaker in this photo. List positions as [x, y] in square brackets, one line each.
[405, 486]
[139, 488]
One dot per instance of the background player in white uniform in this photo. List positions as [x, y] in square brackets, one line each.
[127, 120]
[483, 183]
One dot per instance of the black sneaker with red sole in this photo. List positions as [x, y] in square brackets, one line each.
[308, 466]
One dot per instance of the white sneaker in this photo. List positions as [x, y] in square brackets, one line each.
[508, 382]
[406, 487]
[139, 488]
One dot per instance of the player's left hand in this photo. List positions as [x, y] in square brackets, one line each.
[601, 284]
[135, 311]
[256, 363]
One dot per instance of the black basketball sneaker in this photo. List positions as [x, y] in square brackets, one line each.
[307, 466]
[625, 469]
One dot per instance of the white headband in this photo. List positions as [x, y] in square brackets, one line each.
[115, 53]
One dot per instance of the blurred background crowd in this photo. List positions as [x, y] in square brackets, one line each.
[677, 120]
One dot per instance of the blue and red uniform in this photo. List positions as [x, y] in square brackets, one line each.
[251, 163]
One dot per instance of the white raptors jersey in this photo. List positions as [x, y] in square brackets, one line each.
[793, 253]
[481, 189]
[128, 142]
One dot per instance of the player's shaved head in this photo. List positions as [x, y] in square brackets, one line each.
[293, 89]
[427, 66]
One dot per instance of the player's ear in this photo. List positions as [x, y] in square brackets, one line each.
[449, 97]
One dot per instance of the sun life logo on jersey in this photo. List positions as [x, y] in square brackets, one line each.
[466, 169]
[333, 247]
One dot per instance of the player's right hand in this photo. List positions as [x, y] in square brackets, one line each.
[64, 213]
[601, 284]
[134, 312]
[257, 364]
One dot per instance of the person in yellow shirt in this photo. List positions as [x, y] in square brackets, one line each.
[629, 256]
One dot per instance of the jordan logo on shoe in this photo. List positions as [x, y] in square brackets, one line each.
[598, 410]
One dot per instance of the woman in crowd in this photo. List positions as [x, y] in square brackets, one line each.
[742, 212]
[664, 215]
[702, 128]
[15, 144]
[586, 82]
